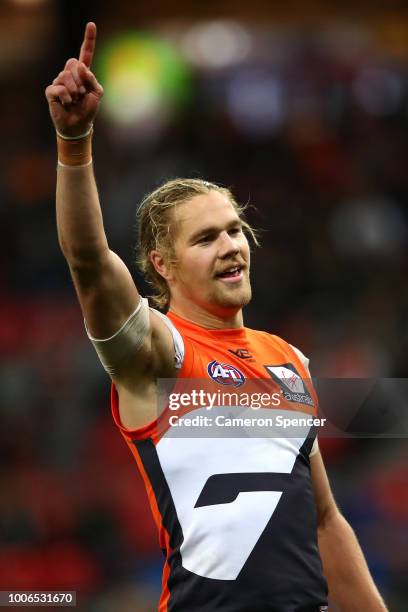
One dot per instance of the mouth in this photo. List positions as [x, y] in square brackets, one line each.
[233, 274]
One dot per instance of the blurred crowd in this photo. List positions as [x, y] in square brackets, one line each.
[309, 127]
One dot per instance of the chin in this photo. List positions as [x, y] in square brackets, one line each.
[236, 300]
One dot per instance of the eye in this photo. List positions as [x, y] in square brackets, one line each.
[204, 239]
[234, 231]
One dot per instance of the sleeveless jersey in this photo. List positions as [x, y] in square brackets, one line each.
[235, 512]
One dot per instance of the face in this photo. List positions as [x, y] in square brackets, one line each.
[212, 255]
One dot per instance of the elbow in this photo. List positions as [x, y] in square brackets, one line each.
[82, 248]
[62, 242]
[328, 516]
[80, 256]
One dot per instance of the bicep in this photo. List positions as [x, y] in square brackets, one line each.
[130, 341]
[325, 503]
[107, 294]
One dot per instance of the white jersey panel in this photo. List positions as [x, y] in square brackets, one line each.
[211, 547]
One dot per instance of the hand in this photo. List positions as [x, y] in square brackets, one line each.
[74, 96]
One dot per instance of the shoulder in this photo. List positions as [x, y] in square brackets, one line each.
[305, 360]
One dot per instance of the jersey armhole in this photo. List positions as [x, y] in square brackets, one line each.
[184, 361]
[305, 362]
[315, 448]
[178, 342]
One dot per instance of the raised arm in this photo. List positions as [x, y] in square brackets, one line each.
[104, 285]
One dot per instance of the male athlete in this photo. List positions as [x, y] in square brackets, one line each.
[247, 524]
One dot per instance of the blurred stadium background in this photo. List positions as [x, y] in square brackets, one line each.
[302, 109]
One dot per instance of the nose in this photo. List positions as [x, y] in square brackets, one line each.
[228, 245]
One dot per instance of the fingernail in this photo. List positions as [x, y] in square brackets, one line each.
[82, 90]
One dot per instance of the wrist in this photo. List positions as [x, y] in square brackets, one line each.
[75, 150]
[77, 136]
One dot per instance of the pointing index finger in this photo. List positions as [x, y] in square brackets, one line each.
[88, 45]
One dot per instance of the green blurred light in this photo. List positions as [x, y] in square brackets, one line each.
[142, 75]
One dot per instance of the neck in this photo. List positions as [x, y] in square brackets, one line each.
[227, 319]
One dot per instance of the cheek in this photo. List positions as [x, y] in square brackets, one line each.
[193, 267]
[245, 250]
[199, 262]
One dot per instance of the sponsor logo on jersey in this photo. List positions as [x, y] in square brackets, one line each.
[241, 353]
[225, 374]
[292, 385]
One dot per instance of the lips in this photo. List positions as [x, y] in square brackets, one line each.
[230, 272]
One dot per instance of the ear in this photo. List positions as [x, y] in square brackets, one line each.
[160, 265]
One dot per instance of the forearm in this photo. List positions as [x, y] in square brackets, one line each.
[79, 217]
[351, 586]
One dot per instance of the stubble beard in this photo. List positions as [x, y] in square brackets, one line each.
[232, 297]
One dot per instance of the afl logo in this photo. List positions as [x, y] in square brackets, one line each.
[225, 374]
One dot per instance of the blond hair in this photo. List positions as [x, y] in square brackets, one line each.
[156, 227]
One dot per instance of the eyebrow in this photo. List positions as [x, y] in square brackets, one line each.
[213, 229]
